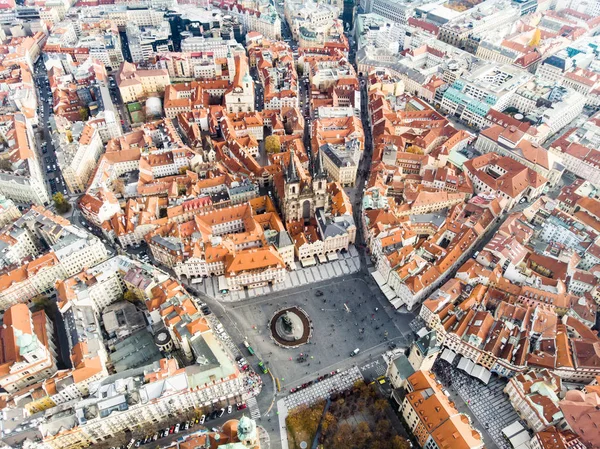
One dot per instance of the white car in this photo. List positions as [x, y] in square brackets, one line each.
[229, 409]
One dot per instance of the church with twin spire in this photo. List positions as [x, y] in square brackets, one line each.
[299, 193]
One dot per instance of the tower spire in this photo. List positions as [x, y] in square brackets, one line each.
[291, 174]
[318, 170]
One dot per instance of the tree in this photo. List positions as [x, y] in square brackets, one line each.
[414, 149]
[44, 303]
[272, 144]
[5, 165]
[130, 296]
[328, 421]
[381, 406]
[362, 435]
[343, 437]
[62, 205]
[119, 186]
[397, 442]
[382, 429]
[84, 113]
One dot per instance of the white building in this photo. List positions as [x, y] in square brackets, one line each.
[24, 184]
[78, 158]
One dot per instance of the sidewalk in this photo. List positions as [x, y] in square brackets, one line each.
[308, 396]
[347, 263]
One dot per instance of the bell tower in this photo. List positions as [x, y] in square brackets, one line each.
[319, 181]
[292, 181]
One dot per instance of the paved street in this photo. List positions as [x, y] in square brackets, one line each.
[46, 152]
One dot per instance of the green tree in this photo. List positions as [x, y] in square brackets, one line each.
[272, 144]
[62, 205]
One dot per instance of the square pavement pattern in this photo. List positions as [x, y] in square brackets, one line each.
[347, 263]
[321, 390]
[488, 403]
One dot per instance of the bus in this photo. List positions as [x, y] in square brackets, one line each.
[248, 347]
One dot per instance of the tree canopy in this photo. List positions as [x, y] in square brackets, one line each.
[272, 144]
[61, 203]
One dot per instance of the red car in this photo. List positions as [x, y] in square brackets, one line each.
[241, 406]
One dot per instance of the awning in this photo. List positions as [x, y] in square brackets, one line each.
[308, 262]
[378, 278]
[517, 435]
[223, 284]
[485, 376]
[466, 365]
[332, 256]
[448, 355]
[388, 292]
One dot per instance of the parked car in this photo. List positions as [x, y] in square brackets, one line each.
[202, 419]
[241, 406]
[229, 409]
[262, 367]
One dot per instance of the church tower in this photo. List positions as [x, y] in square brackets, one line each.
[292, 181]
[319, 182]
[230, 65]
[424, 351]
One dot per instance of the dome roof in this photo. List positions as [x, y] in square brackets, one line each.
[230, 428]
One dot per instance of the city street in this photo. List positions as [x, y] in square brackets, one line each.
[46, 151]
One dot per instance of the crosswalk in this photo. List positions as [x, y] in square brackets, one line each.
[253, 407]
